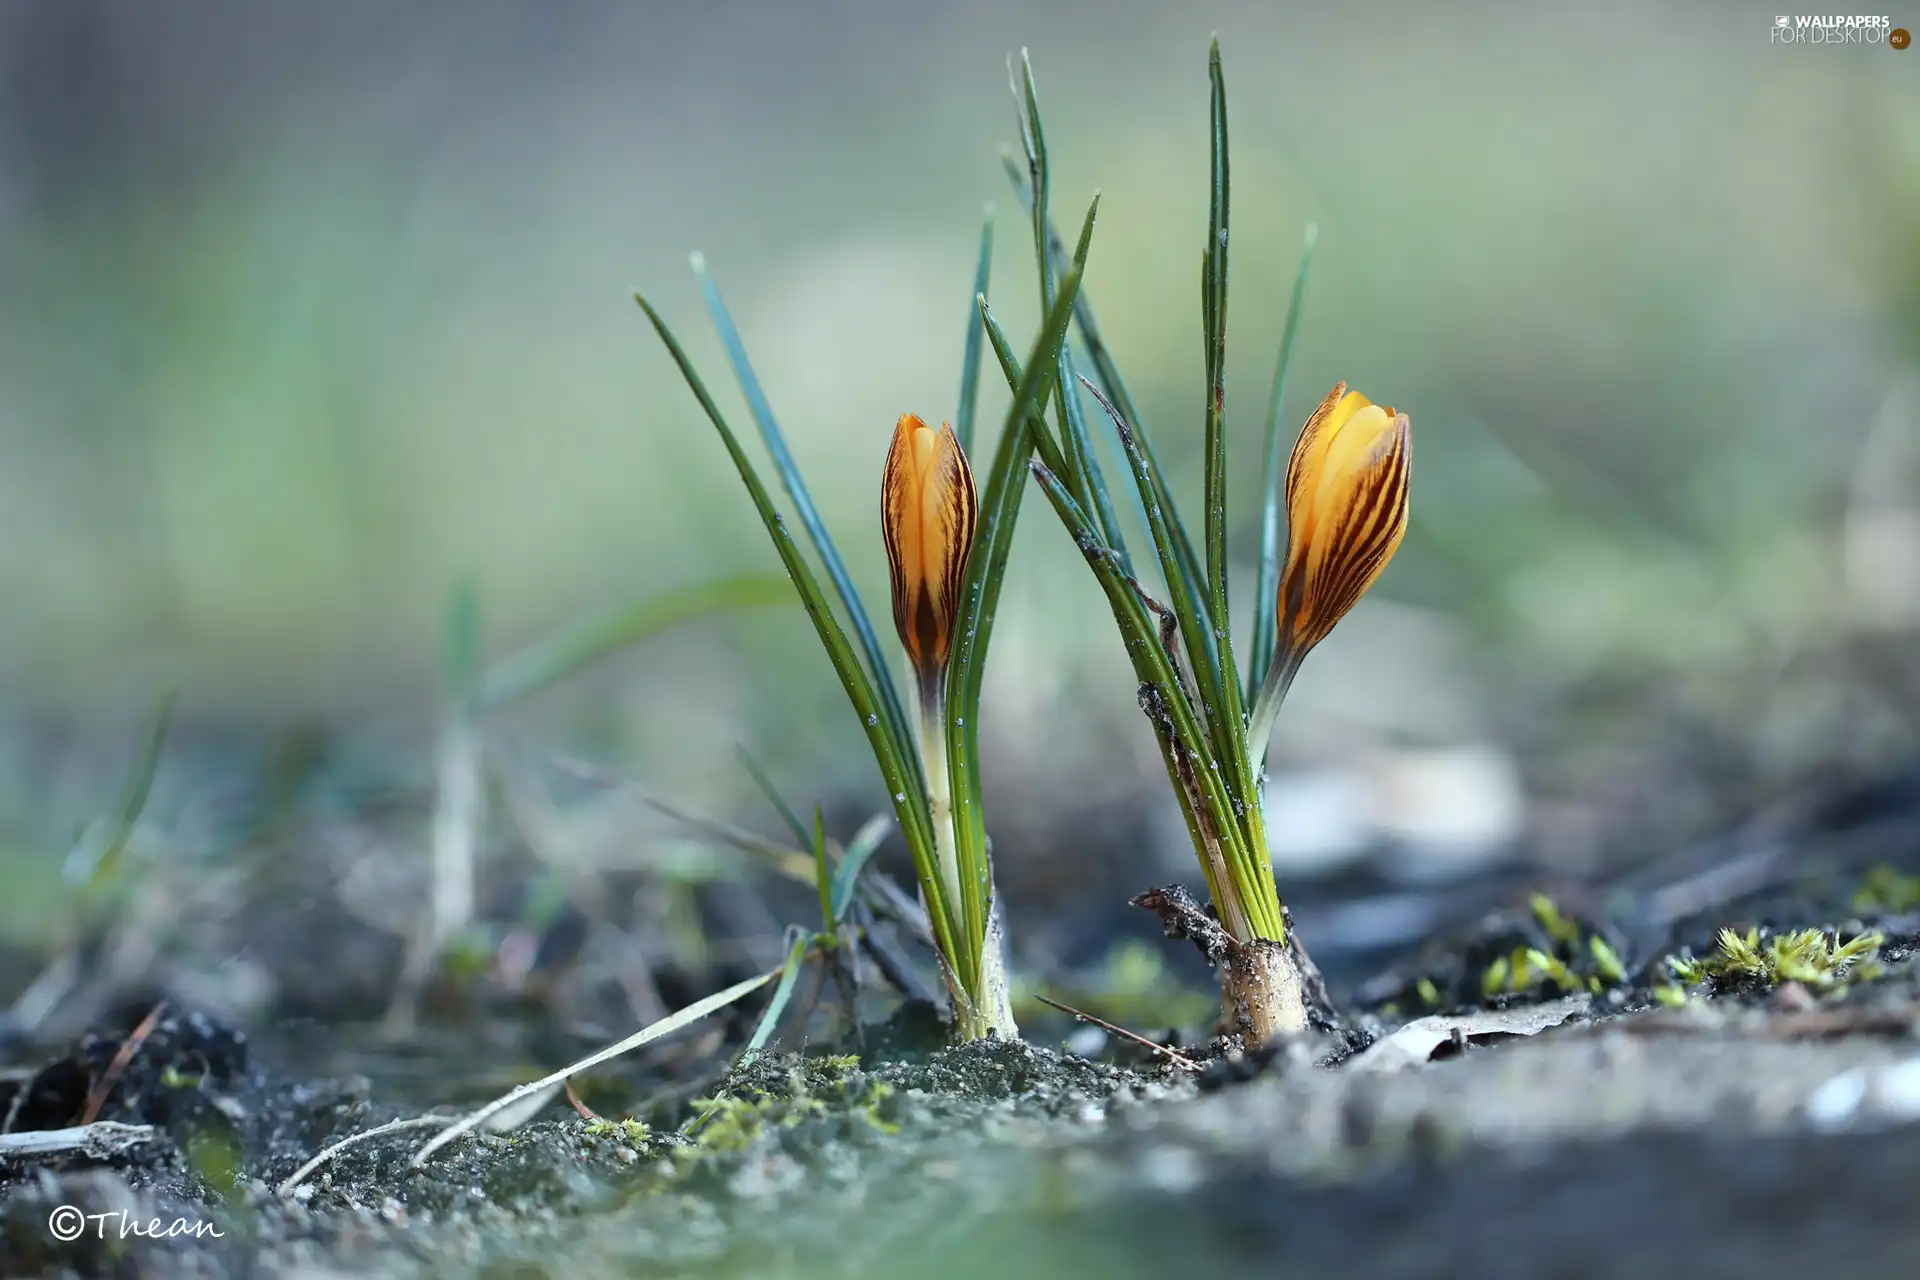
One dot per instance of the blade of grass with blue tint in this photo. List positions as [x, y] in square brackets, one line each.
[1083, 464]
[1249, 868]
[1107, 375]
[782, 994]
[1153, 667]
[970, 355]
[986, 570]
[1266, 593]
[796, 487]
[846, 878]
[1014, 371]
[1188, 611]
[892, 749]
[558, 656]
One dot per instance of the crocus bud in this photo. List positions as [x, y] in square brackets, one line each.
[1346, 513]
[927, 513]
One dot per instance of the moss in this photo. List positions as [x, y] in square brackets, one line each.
[1887, 892]
[1559, 928]
[1540, 953]
[1553, 969]
[636, 1132]
[1670, 995]
[1812, 957]
[1606, 962]
[780, 1093]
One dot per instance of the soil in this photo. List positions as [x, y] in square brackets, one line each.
[1754, 1127]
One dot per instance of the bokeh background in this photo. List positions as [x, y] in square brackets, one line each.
[309, 313]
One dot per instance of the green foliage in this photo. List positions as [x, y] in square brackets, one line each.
[1812, 957]
[752, 1102]
[1182, 652]
[1544, 954]
[554, 658]
[96, 865]
[633, 1132]
[959, 920]
[1887, 891]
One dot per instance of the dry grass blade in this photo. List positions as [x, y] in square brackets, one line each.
[97, 1096]
[646, 1035]
[305, 1171]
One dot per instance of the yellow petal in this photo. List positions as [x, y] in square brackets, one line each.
[1346, 513]
[928, 508]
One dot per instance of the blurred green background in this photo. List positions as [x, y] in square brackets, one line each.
[308, 311]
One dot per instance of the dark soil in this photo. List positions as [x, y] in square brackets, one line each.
[1631, 1140]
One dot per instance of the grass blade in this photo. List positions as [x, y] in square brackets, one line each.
[822, 869]
[1260, 654]
[1082, 467]
[1188, 610]
[772, 793]
[1011, 367]
[846, 879]
[547, 661]
[96, 872]
[460, 648]
[1107, 375]
[789, 978]
[970, 355]
[986, 569]
[796, 486]
[1153, 668]
[1214, 320]
[646, 1035]
[1229, 726]
[892, 748]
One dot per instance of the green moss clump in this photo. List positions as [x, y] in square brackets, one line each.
[1812, 957]
[636, 1132]
[1887, 892]
[781, 1093]
[1539, 954]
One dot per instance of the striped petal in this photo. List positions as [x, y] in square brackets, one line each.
[928, 508]
[1346, 513]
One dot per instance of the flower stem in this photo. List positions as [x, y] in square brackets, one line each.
[1266, 708]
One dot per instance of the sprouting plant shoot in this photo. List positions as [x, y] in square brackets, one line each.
[1345, 499]
[947, 546]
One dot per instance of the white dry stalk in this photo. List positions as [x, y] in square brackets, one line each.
[102, 1140]
[305, 1171]
[666, 1026]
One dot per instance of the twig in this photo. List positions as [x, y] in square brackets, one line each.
[301, 1174]
[97, 1096]
[1174, 1056]
[102, 1141]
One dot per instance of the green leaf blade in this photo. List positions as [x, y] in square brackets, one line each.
[548, 661]
[970, 354]
[795, 484]
[892, 750]
[986, 569]
[1267, 589]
